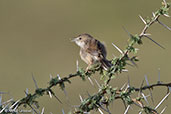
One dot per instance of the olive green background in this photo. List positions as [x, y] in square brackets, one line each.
[35, 38]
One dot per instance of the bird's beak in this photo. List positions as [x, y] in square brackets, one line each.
[73, 40]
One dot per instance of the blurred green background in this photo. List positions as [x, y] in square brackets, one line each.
[35, 38]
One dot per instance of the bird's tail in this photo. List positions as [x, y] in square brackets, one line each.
[106, 64]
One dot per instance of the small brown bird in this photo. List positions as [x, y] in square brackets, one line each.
[92, 51]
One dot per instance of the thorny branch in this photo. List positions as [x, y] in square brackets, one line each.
[153, 85]
[120, 63]
[107, 93]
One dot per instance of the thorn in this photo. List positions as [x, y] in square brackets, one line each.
[159, 82]
[123, 86]
[130, 35]
[56, 97]
[140, 112]
[50, 94]
[77, 67]
[165, 3]
[128, 82]
[65, 92]
[134, 64]
[118, 48]
[124, 70]
[100, 111]
[127, 87]
[26, 92]
[126, 111]
[75, 109]
[149, 89]
[63, 111]
[147, 34]
[58, 77]
[124, 104]
[164, 25]
[146, 80]
[81, 99]
[67, 99]
[51, 77]
[154, 42]
[35, 106]
[162, 101]
[142, 83]
[107, 110]
[43, 110]
[0, 101]
[130, 64]
[151, 95]
[35, 83]
[4, 108]
[169, 89]
[144, 98]
[88, 94]
[34, 110]
[148, 96]
[97, 83]
[143, 20]
[163, 110]
[14, 104]
[16, 107]
[138, 104]
[166, 15]
[90, 81]
[64, 88]
[7, 101]
[130, 59]
[153, 14]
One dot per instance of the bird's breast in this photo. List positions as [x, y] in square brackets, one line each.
[87, 57]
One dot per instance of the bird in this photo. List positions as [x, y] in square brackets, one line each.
[92, 51]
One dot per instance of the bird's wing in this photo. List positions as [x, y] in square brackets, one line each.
[102, 49]
[98, 49]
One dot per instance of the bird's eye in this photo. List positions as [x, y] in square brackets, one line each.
[80, 38]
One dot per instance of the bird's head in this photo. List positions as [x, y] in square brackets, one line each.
[82, 40]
